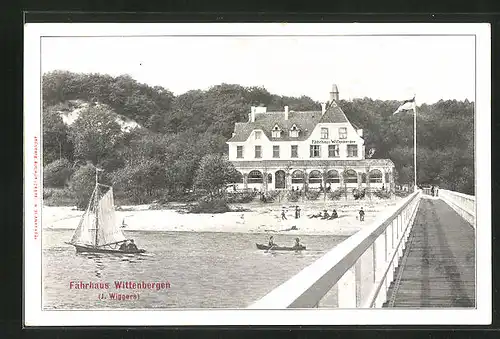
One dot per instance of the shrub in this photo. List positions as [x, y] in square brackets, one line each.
[382, 194]
[336, 195]
[271, 196]
[293, 196]
[57, 173]
[312, 195]
[240, 197]
[60, 197]
[401, 193]
[211, 206]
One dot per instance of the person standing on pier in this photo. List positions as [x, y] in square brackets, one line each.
[361, 214]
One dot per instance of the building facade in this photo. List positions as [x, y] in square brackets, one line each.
[309, 149]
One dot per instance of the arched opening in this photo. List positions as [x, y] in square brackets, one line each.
[350, 177]
[375, 176]
[297, 177]
[315, 177]
[280, 179]
[332, 177]
[255, 177]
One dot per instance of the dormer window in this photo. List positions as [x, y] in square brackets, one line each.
[294, 132]
[276, 131]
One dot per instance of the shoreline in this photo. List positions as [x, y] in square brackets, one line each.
[257, 218]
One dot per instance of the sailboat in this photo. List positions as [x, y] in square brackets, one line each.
[97, 231]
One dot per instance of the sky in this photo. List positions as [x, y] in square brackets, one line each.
[379, 67]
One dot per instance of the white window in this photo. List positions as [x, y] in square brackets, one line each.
[276, 132]
[258, 151]
[294, 132]
[239, 151]
[314, 151]
[343, 133]
[352, 151]
[324, 133]
[257, 135]
[333, 151]
[276, 151]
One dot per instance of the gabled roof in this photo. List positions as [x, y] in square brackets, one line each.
[305, 121]
[334, 114]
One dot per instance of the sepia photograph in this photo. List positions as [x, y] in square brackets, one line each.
[256, 168]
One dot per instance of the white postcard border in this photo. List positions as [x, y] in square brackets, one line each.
[33, 314]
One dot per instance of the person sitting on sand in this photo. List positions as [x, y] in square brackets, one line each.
[132, 246]
[319, 215]
[325, 215]
[334, 215]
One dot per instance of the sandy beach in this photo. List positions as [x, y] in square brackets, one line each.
[257, 218]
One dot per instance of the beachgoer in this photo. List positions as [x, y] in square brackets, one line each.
[319, 215]
[361, 214]
[297, 212]
[325, 215]
[283, 216]
[334, 215]
[131, 246]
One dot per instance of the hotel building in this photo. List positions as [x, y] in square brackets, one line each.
[281, 150]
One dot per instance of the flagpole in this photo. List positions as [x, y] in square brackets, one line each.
[415, 143]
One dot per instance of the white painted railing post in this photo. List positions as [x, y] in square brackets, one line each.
[346, 286]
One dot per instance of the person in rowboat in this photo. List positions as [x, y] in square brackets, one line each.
[124, 245]
[131, 246]
[271, 241]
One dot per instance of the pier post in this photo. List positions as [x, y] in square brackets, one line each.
[347, 289]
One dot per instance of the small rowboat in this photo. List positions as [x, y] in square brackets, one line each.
[280, 248]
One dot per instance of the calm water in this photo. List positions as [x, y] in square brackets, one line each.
[205, 270]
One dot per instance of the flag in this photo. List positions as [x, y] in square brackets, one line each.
[406, 106]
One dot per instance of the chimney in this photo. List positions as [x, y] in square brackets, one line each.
[286, 112]
[323, 108]
[252, 114]
[334, 94]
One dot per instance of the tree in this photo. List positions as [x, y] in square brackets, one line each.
[56, 143]
[82, 184]
[57, 173]
[214, 173]
[95, 133]
[140, 181]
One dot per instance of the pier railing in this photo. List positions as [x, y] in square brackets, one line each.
[463, 204]
[357, 272]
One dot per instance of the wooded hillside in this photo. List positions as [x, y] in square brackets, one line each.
[163, 156]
